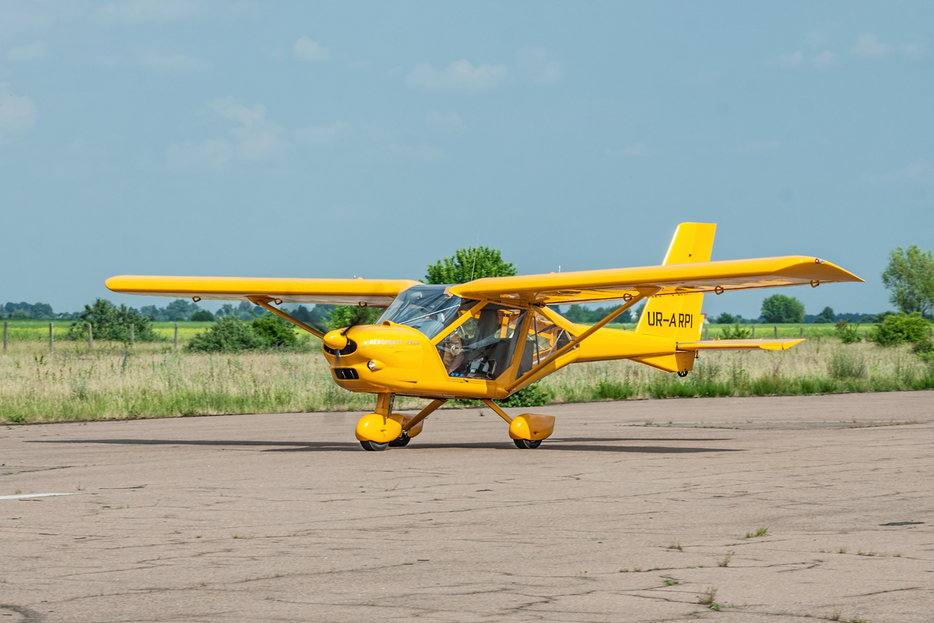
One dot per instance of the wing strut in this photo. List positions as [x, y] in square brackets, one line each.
[263, 301]
[529, 376]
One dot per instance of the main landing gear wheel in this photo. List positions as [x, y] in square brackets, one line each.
[401, 441]
[526, 444]
[372, 446]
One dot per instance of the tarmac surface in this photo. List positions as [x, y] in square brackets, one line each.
[632, 511]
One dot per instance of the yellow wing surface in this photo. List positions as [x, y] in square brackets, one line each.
[373, 292]
[600, 285]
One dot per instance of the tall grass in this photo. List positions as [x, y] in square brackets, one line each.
[76, 383]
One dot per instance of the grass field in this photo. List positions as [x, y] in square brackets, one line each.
[38, 330]
[154, 380]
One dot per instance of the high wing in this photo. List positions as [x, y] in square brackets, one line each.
[600, 285]
[373, 292]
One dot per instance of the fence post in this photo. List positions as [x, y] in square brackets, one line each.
[176, 336]
[90, 337]
[706, 330]
[132, 328]
[802, 332]
[6, 330]
[51, 338]
[753, 330]
[776, 331]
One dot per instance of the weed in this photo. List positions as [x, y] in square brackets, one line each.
[676, 546]
[725, 561]
[842, 550]
[670, 581]
[757, 533]
[708, 597]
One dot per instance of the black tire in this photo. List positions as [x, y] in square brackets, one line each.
[372, 446]
[401, 441]
[526, 444]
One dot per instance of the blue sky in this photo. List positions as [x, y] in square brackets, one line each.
[371, 139]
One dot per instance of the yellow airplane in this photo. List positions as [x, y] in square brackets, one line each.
[489, 338]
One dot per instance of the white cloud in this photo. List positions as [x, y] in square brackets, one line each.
[816, 40]
[28, 52]
[792, 59]
[17, 114]
[444, 125]
[917, 171]
[538, 66]
[148, 11]
[913, 50]
[254, 138]
[178, 62]
[760, 146]
[307, 50]
[868, 45]
[459, 77]
[636, 149]
[826, 59]
[321, 134]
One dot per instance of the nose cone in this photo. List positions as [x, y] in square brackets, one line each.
[335, 340]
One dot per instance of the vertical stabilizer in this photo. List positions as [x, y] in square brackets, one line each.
[678, 316]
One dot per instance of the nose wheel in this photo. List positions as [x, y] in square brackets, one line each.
[372, 446]
[401, 441]
[527, 444]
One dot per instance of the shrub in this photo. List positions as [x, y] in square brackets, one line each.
[847, 334]
[109, 322]
[274, 331]
[532, 396]
[202, 315]
[901, 328]
[227, 335]
[736, 333]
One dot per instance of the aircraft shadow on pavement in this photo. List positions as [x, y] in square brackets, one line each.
[583, 444]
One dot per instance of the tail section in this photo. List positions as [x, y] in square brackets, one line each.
[678, 316]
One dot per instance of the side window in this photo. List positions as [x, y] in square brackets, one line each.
[543, 340]
[483, 347]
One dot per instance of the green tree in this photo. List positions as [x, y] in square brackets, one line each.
[910, 277]
[469, 264]
[349, 315]
[726, 318]
[579, 314]
[779, 308]
[180, 309]
[825, 316]
[202, 315]
[109, 322]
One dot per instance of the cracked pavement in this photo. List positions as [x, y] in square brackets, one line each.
[630, 512]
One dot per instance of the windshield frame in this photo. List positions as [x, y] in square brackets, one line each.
[428, 309]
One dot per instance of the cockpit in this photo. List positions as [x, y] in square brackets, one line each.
[485, 341]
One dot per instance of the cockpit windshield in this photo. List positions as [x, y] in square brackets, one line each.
[425, 308]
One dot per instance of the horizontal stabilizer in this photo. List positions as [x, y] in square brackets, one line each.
[741, 344]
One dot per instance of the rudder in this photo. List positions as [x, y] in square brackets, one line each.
[678, 316]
